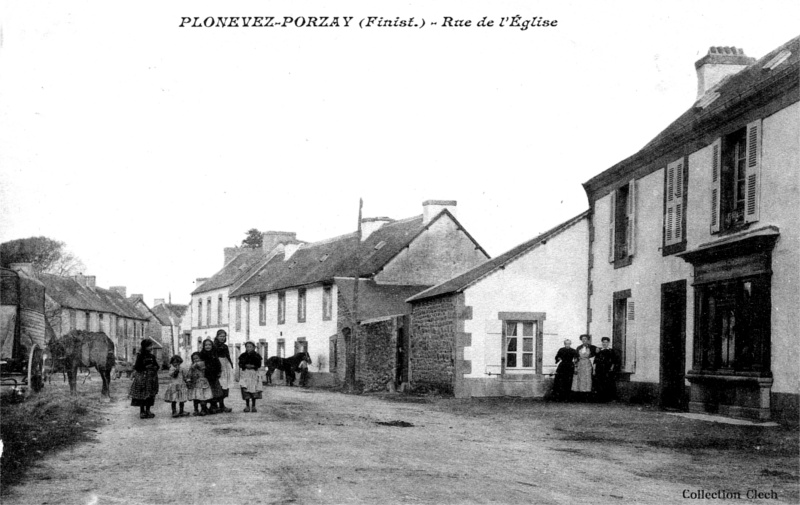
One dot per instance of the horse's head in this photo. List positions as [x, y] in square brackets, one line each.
[307, 357]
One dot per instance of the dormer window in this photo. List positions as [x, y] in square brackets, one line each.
[380, 245]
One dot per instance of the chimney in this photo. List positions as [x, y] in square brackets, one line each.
[158, 301]
[135, 298]
[120, 290]
[370, 224]
[289, 250]
[230, 253]
[26, 268]
[719, 63]
[199, 281]
[270, 239]
[432, 208]
[80, 279]
[90, 281]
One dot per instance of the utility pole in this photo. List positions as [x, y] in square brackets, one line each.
[352, 355]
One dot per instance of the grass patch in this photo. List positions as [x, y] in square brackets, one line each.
[48, 421]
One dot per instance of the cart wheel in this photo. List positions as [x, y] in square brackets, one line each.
[35, 369]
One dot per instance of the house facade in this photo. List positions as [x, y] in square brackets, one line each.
[170, 316]
[301, 299]
[495, 330]
[77, 303]
[695, 246]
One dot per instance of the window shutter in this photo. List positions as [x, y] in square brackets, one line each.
[630, 235]
[753, 182]
[715, 184]
[673, 223]
[611, 213]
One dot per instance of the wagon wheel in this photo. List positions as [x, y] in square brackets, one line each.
[35, 369]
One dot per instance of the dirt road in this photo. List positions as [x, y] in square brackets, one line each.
[314, 446]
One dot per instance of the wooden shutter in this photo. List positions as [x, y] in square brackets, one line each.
[716, 177]
[611, 213]
[673, 218]
[630, 233]
[753, 172]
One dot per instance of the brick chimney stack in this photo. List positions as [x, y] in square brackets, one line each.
[271, 239]
[719, 63]
[90, 281]
[432, 208]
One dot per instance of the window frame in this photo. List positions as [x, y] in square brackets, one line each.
[676, 182]
[537, 319]
[301, 305]
[327, 303]
[262, 310]
[282, 307]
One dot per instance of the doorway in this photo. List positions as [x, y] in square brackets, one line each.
[673, 345]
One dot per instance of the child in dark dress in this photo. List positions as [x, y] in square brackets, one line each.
[144, 386]
[250, 382]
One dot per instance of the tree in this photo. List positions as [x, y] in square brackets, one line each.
[253, 240]
[47, 255]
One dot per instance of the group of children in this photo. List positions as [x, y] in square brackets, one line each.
[199, 383]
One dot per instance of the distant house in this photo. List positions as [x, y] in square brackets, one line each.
[77, 303]
[170, 316]
[210, 308]
[161, 348]
[695, 253]
[301, 297]
[495, 329]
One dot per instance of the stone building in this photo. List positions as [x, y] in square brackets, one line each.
[301, 298]
[169, 317]
[77, 303]
[495, 329]
[695, 246]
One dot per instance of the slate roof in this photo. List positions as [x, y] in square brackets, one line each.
[232, 271]
[68, 293]
[320, 262]
[377, 300]
[470, 277]
[752, 86]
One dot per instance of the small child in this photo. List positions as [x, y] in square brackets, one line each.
[250, 382]
[177, 392]
[199, 388]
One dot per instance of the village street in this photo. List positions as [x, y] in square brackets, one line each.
[317, 446]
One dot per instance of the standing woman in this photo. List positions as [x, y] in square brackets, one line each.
[212, 372]
[226, 367]
[249, 380]
[144, 386]
[565, 359]
[582, 382]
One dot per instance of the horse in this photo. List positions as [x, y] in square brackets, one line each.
[86, 349]
[287, 365]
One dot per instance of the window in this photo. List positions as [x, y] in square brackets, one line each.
[733, 329]
[73, 319]
[622, 225]
[735, 179]
[301, 305]
[219, 310]
[327, 303]
[675, 180]
[301, 345]
[622, 312]
[332, 350]
[520, 337]
[87, 321]
[238, 313]
[100, 323]
[281, 307]
[262, 310]
[208, 311]
[199, 313]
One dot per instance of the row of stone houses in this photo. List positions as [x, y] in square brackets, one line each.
[687, 258]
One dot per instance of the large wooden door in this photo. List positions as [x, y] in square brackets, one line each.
[673, 344]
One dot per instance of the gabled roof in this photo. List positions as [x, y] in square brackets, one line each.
[165, 315]
[470, 277]
[320, 262]
[376, 300]
[232, 270]
[772, 79]
[68, 293]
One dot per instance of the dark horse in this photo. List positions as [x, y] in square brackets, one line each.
[286, 365]
[84, 349]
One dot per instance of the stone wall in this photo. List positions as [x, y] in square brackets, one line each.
[433, 341]
[377, 355]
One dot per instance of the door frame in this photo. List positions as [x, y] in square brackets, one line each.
[672, 289]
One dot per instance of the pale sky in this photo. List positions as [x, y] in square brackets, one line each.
[148, 148]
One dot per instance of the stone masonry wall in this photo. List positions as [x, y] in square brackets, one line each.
[433, 339]
[377, 354]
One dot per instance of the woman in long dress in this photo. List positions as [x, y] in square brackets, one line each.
[582, 381]
[144, 386]
[226, 367]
